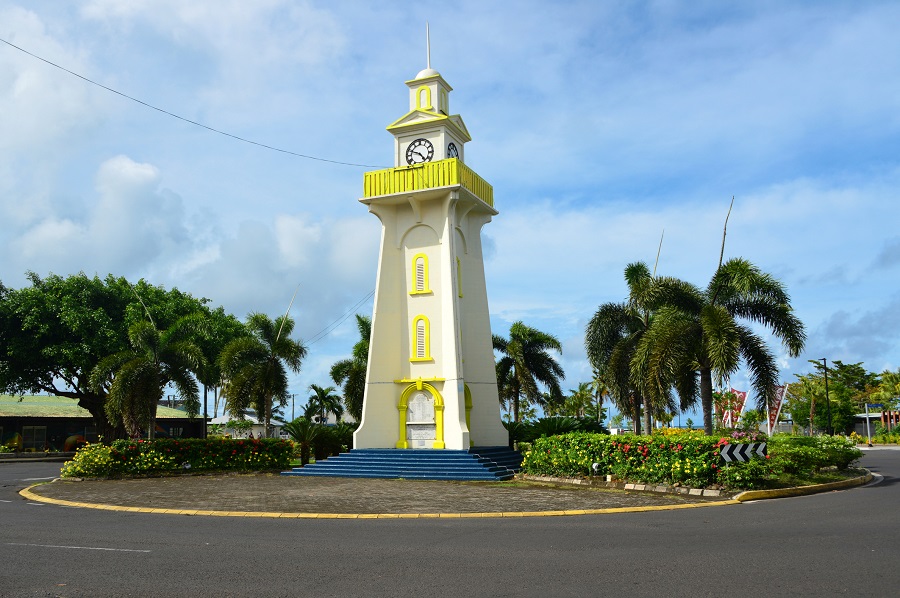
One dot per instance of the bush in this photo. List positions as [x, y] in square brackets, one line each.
[551, 426]
[745, 476]
[691, 458]
[146, 457]
[804, 454]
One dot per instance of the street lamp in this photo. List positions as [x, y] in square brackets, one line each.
[827, 400]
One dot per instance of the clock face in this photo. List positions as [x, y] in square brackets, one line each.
[452, 152]
[419, 151]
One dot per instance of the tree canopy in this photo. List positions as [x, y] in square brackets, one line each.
[55, 332]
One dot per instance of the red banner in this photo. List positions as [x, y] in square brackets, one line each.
[775, 406]
[738, 407]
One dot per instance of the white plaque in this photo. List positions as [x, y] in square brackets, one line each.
[420, 408]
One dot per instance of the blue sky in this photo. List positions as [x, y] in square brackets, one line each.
[599, 125]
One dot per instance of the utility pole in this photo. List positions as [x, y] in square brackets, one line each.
[827, 400]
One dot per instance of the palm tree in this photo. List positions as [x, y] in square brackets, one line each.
[524, 363]
[579, 400]
[699, 337]
[323, 401]
[599, 391]
[613, 334]
[351, 373]
[304, 432]
[254, 366]
[136, 378]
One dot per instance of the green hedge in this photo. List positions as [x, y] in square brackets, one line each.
[689, 459]
[142, 457]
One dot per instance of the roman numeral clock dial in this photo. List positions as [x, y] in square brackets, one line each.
[419, 151]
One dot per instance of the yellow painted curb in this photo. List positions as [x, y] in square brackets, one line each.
[803, 490]
[28, 494]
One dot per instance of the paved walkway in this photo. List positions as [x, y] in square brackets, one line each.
[273, 495]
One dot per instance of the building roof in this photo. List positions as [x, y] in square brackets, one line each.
[49, 406]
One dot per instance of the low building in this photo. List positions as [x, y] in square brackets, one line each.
[39, 422]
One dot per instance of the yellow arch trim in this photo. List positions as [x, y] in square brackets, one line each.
[426, 289]
[427, 105]
[438, 413]
[414, 345]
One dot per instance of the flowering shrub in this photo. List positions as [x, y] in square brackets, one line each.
[140, 457]
[744, 476]
[690, 459]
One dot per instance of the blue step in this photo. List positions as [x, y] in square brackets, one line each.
[482, 463]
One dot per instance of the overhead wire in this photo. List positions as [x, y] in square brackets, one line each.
[322, 334]
[182, 118]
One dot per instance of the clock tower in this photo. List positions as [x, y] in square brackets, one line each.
[431, 381]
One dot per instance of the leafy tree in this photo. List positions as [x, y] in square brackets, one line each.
[888, 391]
[849, 386]
[698, 336]
[135, 379]
[525, 362]
[255, 366]
[350, 374]
[54, 332]
[323, 401]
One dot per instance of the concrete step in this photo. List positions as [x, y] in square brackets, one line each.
[418, 464]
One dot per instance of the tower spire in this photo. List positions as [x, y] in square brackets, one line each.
[427, 46]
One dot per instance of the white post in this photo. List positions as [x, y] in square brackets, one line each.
[868, 430]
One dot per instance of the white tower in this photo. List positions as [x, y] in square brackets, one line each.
[431, 381]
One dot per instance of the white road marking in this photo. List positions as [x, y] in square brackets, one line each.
[36, 504]
[35, 479]
[76, 547]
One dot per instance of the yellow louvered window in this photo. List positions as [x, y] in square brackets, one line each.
[420, 275]
[421, 339]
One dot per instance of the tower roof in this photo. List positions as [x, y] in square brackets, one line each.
[425, 73]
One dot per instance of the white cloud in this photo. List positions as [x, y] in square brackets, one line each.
[599, 126]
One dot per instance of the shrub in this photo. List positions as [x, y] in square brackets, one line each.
[690, 459]
[145, 457]
[744, 476]
[803, 454]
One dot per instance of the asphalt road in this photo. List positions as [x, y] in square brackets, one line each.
[839, 543]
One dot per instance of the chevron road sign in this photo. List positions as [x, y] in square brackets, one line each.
[738, 453]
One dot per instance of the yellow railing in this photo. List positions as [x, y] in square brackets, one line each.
[430, 175]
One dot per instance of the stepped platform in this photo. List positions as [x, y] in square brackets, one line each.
[494, 463]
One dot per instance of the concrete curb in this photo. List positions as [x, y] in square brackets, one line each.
[803, 490]
[29, 495]
[658, 488]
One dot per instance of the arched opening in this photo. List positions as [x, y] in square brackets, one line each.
[421, 411]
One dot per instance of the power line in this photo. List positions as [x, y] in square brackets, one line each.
[340, 320]
[187, 120]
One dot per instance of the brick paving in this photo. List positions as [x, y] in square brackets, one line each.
[274, 493]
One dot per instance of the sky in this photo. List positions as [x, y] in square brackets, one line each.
[600, 125]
